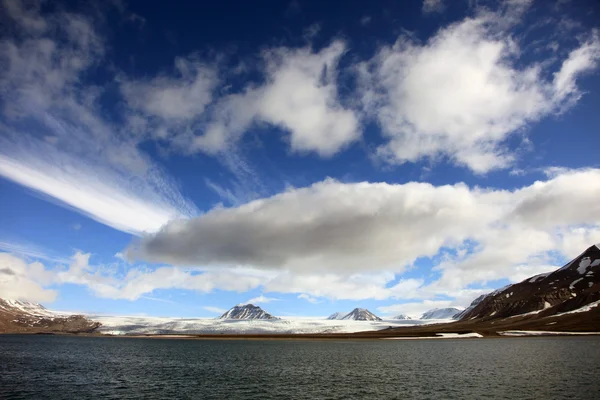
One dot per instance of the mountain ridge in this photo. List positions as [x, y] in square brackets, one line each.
[361, 314]
[17, 316]
[568, 288]
[339, 315]
[247, 312]
[440, 313]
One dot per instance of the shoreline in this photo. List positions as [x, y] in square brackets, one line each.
[316, 337]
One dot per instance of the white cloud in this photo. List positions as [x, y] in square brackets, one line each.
[339, 286]
[173, 98]
[33, 280]
[261, 300]
[54, 138]
[29, 18]
[322, 236]
[310, 299]
[24, 281]
[216, 310]
[170, 103]
[465, 91]
[430, 6]
[299, 95]
[329, 226]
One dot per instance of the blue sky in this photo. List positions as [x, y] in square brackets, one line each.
[309, 157]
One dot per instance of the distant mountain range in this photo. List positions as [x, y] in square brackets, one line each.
[565, 300]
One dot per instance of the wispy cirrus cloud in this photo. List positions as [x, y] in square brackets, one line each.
[127, 202]
[54, 137]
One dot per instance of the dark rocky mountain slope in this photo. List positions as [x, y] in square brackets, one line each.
[24, 317]
[247, 312]
[361, 314]
[571, 287]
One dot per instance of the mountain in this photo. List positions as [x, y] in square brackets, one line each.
[247, 312]
[402, 316]
[440, 313]
[337, 315]
[571, 287]
[361, 314]
[24, 317]
[473, 304]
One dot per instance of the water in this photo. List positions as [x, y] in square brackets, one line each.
[55, 367]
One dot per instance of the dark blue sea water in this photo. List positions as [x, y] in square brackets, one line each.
[56, 367]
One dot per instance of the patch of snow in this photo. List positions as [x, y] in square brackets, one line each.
[585, 308]
[572, 285]
[459, 335]
[531, 312]
[595, 263]
[583, 264]
[440, 336]
[547, 305]
[590, 284]
[570, 263]
[544, 333]
[538, 277]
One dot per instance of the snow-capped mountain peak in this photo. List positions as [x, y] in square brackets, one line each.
[337, 315]
[473, 304]
[25, 308]
[246, 312]
[361, 314]
[402, 316]
[18, 316]
[440, 313]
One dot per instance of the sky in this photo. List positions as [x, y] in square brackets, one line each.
[308, 157]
